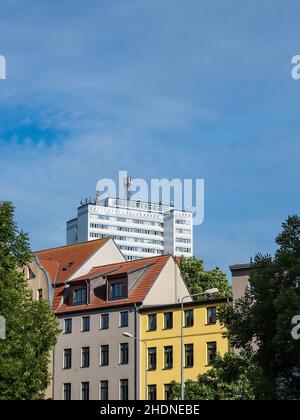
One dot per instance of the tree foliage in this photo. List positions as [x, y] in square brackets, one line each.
[198, 279]
[231, 378]
[31, 328]
[261, 322]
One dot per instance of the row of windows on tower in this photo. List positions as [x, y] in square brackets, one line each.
[188, 319]
[104, 390]
[104, 322]
[104, 358]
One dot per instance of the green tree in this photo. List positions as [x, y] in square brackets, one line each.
[261, 322]
[231, 378]
[31, 328]
[198, 279]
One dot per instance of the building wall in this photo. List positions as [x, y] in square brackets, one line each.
[94, 339]
[95, 221]
[169, 288]
[109, 253]
[240, 280]
[199, 335]
[37, 279]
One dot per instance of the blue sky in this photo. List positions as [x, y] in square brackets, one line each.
[160, 88]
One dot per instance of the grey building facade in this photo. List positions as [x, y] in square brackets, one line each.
[240, 279]
[102, 359]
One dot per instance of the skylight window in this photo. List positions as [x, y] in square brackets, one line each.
[68, 266]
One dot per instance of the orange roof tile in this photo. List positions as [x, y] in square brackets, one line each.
[61, 263]
[153, 267]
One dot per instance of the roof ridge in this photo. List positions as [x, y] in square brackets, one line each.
[73, 245]
[133, 261]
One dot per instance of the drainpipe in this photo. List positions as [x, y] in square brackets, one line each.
[88, 291]
[136, 343]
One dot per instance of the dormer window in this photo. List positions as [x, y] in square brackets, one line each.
[80, 296]
[118, 288]
[117, 291]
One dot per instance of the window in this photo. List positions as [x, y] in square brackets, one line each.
[85, 391]
[124, 319]
[117, 290]
[40, 294]
[124, 353]
[68, 326]
[152, 392]
[67, 358]
[168, 357]
[31, 274]
[211, 352]
[85, 357]
[104, 390]
[168, 391]
[85, 324]
[124, 389]
[104, 355]
[80, 296]
[212, 315]
[152, 358]
[152, 322]
[67, 392]
[189, 355]
[104, 322]
[168, 320]
[189, 318]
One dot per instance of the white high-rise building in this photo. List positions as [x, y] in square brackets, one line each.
[140, 229]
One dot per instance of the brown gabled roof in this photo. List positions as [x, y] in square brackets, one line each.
[152, 267]
[63, 262]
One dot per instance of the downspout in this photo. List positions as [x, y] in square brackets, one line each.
[88, 291]
[136, 343]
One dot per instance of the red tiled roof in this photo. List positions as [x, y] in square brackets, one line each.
[61, 263]
[153, 267]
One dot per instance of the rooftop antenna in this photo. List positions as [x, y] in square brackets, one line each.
[127, 184]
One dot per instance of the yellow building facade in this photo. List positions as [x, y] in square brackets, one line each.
[160, 346]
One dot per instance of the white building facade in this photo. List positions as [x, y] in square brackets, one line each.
[139, 229]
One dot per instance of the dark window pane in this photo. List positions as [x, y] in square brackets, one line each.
[168, 320]
[168, 391]
[169, 357]
[152, 392]
[67, 358]
[86, 323]
[104, 390]
[124, 319]
[124, 389]
[211, 352]
[152, 358]
[80, 296]
[68, 326]
[104, 355]
[189, 318]
[67, 392]
[189, 355]
[104, 322]
[152, 322]
[124, 353]
[117, 291]
[85, 391]
[85, 357]
[40, 294]
[212, 315]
